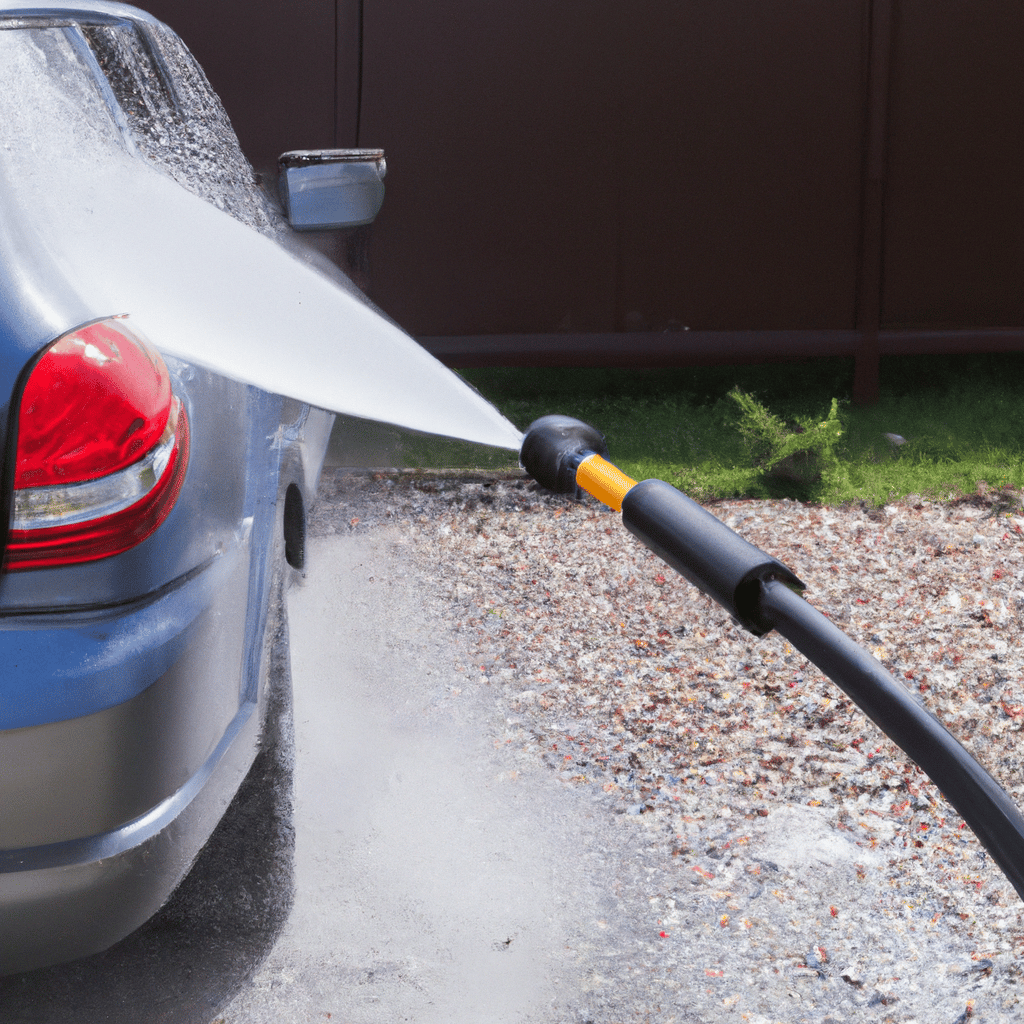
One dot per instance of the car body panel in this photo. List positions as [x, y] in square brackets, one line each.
[125, 727]
[83, 775]
[132, 692]
[68, 900]
[76, 662]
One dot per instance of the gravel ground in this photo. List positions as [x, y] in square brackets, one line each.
[770, 856]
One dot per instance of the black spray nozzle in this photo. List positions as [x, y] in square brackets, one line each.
[553, 448]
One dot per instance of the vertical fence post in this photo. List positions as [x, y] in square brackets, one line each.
[869, 282]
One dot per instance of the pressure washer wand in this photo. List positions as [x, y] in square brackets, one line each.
[762, 594]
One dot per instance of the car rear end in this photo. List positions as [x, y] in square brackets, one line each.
[147, 503]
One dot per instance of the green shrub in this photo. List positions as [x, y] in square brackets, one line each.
[801, 453]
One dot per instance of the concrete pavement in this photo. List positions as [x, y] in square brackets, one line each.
[432, 882]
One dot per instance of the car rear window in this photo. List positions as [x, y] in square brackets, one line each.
[176, 119]
[49, 102]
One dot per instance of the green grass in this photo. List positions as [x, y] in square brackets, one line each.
[961, 416]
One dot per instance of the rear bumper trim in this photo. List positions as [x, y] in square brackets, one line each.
[90, 849]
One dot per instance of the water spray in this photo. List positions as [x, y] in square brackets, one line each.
[762, 594]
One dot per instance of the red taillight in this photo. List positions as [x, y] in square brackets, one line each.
[102, 449]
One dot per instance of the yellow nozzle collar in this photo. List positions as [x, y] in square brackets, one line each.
[604, 481]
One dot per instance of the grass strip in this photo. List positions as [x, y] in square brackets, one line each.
[943, 426]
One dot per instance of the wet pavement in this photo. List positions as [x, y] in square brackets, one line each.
[408, 858]
[431, 882]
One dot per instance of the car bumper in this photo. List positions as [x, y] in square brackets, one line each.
[104, 812]
[68, 900]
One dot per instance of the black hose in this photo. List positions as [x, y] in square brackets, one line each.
[760, 593]
[977, 797]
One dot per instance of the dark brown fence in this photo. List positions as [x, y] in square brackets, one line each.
[664, 180]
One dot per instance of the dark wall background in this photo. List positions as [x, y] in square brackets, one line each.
[594, 166]
[599, 166]
[954, 217]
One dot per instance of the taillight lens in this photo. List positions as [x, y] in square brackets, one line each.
[102, 449]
